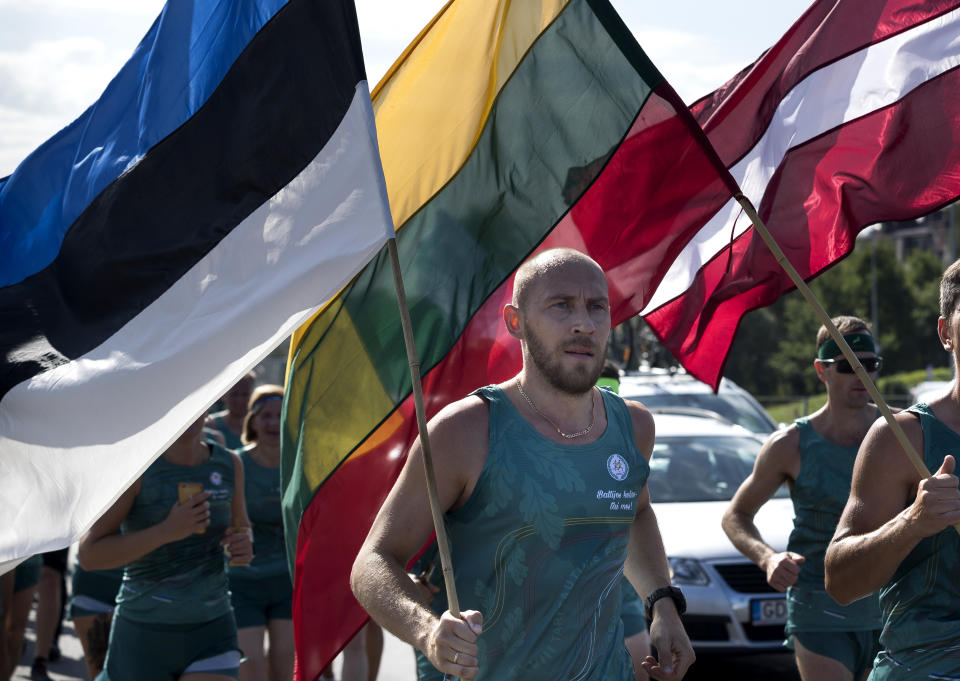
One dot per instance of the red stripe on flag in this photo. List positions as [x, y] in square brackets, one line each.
[657, 190]
[896, 163]
[736, 115]
[334, 525]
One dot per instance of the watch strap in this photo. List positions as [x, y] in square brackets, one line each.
[671, 592]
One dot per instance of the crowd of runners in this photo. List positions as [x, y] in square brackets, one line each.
[167, 584]
[186, 577]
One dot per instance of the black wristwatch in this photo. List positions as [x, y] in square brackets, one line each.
[664, 592]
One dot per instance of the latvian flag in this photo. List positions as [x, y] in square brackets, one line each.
[504, 128]
[225, 184]
[852, 118]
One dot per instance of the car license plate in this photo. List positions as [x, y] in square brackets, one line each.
[768, 611]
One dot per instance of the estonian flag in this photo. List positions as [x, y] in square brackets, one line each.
[224, 186]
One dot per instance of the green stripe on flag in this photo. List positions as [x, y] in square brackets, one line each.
[571, 101]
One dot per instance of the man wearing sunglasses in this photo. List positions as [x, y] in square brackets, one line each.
[894, 535]
[814, 456]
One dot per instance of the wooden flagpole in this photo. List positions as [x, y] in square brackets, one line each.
[848, 353]
[443, 546]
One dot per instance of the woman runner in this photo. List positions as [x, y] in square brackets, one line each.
[173, 618]
[261, 591]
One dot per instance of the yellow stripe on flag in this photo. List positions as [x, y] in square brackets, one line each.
[422, 149]
[329, 445]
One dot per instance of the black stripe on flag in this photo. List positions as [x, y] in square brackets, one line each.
[271, 115]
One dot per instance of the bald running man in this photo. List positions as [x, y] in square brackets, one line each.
[542, 479]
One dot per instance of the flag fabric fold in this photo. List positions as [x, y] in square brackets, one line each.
[224, 185]
[504, 128]
[852, 118]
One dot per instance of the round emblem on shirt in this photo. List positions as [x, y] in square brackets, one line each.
[617, 467]
[216, 478]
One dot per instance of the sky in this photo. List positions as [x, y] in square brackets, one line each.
[57, 56]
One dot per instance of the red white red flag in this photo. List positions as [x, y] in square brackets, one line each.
[852, 118]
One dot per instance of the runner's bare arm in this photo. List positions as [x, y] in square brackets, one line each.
[889, 511]
[777, 463]
[238, 506]
[647, 569]
[646, 565]
[458, 439]
[216, 435]
[239, 536]
[104, 547]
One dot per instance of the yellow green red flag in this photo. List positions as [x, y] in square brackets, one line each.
[505, 127]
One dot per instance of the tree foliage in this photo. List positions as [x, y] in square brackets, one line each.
[774, 348]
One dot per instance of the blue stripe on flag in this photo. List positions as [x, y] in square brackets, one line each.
[173, 71]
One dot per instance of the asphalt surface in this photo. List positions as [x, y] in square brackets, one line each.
[398, 665]
[70, 666]
[766, 667]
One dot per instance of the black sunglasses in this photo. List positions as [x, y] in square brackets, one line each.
[870, 364]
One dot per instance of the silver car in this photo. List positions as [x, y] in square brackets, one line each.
[666, 388]
[697, 465]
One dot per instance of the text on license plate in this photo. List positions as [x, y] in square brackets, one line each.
[768, 611]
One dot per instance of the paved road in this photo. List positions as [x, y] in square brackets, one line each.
[767, 667]
[397, 663]
[69, 667]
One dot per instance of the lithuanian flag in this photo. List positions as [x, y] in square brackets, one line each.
[505, 127]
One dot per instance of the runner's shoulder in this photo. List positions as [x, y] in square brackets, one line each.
[881, 441]
[782, 447]
[639, 414]
[644, 428]
[463, 424]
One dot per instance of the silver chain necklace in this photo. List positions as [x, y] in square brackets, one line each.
[593, 412]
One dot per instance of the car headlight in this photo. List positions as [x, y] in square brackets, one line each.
[687, 572]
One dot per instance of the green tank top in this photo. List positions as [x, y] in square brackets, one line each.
[539, 547]
[921, 601]
[184, 581]
[262, 496]
[819, 495]
[27, 573]
[99, 585]
[230, 439]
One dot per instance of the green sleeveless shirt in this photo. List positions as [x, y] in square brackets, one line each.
[262, 496]
[539, 547]
[819, 495]
[230, 439]
[27, 573]
[94, 587]
[921, 603]
[184, 581]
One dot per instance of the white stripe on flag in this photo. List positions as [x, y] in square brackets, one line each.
[863, 82]
[73, 438]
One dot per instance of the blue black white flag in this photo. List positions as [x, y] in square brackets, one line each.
[226, 184]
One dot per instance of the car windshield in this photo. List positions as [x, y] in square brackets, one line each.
[735, 408]
[701, 468]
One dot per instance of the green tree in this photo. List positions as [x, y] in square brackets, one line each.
[923, 272]
[750, 361]
[775, 346]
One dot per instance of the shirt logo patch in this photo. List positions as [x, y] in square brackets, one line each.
[216, 478]
[617, 467]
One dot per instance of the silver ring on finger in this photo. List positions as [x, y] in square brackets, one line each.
[456, 656]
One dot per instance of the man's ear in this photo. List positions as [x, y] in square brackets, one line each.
[943, 330]
[818, 366]
[511, 319]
